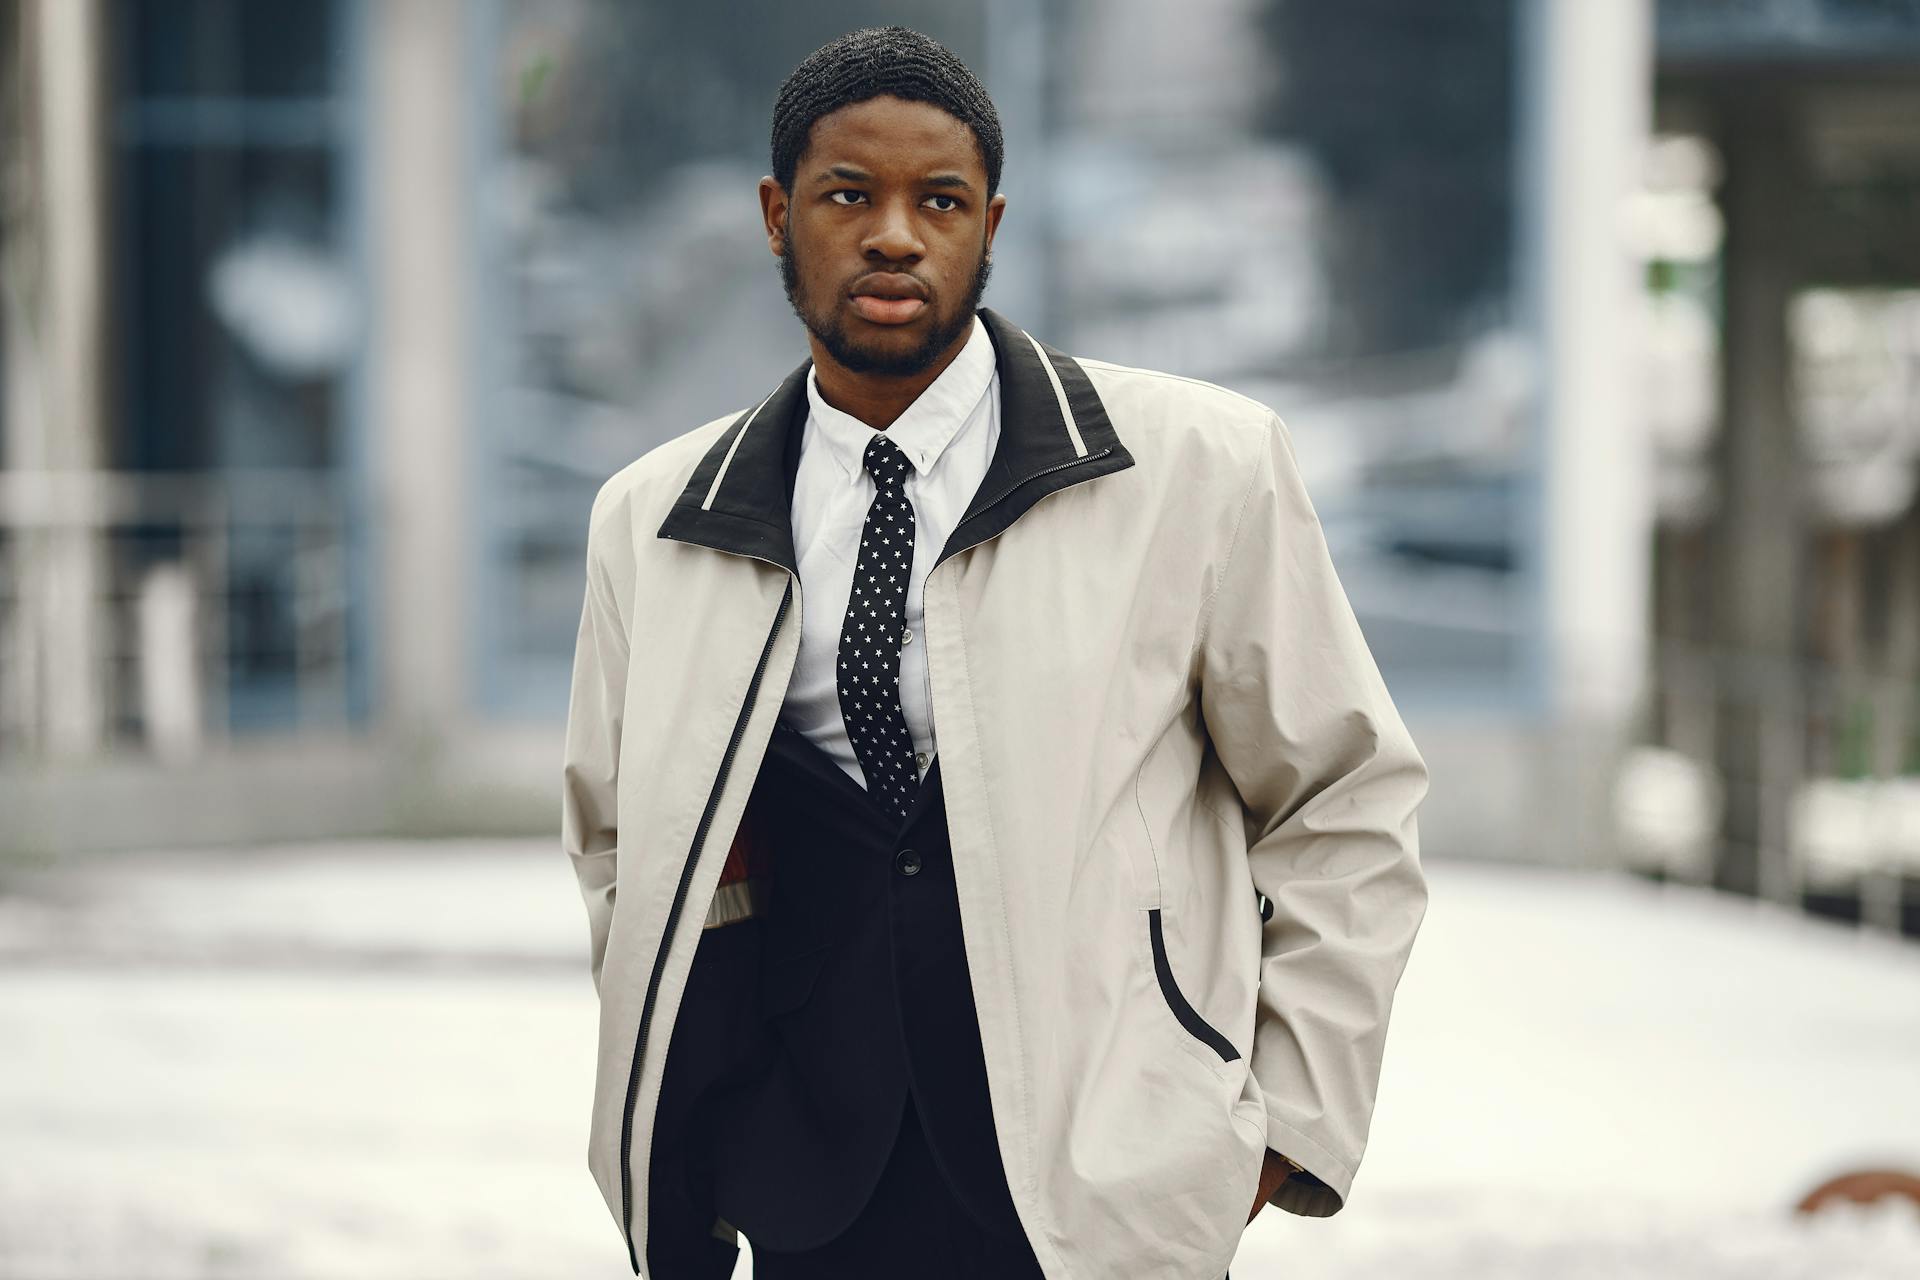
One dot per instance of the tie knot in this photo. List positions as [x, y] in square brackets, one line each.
[887, 464]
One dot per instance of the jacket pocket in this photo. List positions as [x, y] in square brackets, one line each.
[1189, 1017]
[788, 981]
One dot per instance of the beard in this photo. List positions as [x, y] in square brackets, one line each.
[829, 325]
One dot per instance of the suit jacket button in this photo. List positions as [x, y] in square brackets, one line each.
[907, 861]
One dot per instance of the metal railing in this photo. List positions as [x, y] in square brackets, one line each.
[169, 612]
[1834, 757]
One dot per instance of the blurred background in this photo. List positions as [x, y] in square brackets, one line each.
[1596, 324]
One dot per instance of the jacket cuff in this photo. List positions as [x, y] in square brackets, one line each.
[1320, 1189]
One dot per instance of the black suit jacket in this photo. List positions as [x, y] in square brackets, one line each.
[803, 1030]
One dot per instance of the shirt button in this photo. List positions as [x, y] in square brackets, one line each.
[907, 638]
[920, 758]
[908, 862]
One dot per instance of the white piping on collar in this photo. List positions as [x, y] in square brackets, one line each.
[1053, 379]
[1060, 394]
[714, 488]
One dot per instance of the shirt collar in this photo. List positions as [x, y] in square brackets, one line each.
[924, 430]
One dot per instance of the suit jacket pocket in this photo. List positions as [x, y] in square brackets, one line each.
[786, 982]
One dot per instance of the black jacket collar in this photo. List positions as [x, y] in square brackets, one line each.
[750, 511]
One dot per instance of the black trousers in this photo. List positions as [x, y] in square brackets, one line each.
[913, 1226]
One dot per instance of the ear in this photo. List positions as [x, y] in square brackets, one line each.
[773, 212]
[995, 208]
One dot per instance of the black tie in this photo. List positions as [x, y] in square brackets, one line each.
[870, 638]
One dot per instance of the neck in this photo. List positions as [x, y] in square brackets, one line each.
[877, 399]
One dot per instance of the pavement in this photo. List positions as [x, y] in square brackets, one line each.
[375, 1059]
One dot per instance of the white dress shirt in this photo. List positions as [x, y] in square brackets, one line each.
[949, 434]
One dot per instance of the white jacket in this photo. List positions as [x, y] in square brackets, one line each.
[1153, 704]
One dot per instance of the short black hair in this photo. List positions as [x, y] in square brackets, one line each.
[870, 62]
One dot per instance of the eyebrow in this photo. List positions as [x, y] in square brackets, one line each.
[851, 173]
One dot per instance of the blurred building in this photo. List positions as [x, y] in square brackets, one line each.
[323, 321]
[1778, 225]
[232, 562]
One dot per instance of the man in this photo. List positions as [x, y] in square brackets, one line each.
[997, 841]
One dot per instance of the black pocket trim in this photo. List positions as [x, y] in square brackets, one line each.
[1188, 1015]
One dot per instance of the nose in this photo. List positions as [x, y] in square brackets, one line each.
[893, 235]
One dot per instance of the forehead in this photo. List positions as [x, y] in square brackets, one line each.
[887, 133]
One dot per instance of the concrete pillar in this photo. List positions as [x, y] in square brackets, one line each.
[419, 428]
[1015, 70]
[53, 278]
[1761, 543]
[1586, 121]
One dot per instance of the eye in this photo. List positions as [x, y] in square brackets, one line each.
[844, 192]
[955, 204]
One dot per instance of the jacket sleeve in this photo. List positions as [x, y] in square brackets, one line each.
[589, 818]
[1329, 780]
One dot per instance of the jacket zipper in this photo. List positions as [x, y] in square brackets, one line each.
[1045, 471]
[1006, 493]
[673, 917]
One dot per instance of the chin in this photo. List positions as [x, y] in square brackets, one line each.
[901, 354]
[898, 364]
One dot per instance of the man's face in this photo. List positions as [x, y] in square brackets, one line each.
[884, 239]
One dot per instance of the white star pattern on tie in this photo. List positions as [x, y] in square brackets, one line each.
[870, 636]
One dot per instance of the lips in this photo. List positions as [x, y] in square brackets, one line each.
[888, 297]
